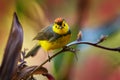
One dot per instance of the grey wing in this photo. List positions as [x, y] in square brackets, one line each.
[45, 34]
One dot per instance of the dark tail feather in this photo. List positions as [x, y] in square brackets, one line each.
[33, 51]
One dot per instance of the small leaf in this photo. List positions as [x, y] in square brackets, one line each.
[79, 36]
[12, 51]
[26, 72]
[102, 38]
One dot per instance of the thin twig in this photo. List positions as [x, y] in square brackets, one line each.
[94, 44]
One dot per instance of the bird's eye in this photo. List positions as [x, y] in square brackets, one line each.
[55, 26]
[63, 25]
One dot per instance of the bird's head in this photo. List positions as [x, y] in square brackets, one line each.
[60, 26]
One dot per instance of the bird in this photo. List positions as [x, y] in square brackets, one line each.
[55, 36]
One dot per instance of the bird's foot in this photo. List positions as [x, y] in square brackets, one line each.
[49, 57]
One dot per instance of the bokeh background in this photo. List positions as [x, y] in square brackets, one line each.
[93, 17]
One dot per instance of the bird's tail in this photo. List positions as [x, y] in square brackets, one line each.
[33, 51]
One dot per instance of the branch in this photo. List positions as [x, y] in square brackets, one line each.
[48, 60]
[93, 44]
[67, 48]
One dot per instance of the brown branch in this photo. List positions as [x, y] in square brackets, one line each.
[94, 44]
[63, 50]
[67, 48]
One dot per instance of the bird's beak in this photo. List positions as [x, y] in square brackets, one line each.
[61, 27]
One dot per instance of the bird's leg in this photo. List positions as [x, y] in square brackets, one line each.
[48, 56]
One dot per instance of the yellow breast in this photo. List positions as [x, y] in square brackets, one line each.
[59, 43]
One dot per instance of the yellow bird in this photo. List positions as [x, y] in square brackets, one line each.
[52, 37]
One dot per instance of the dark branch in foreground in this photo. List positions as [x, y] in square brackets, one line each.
[67, 48]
